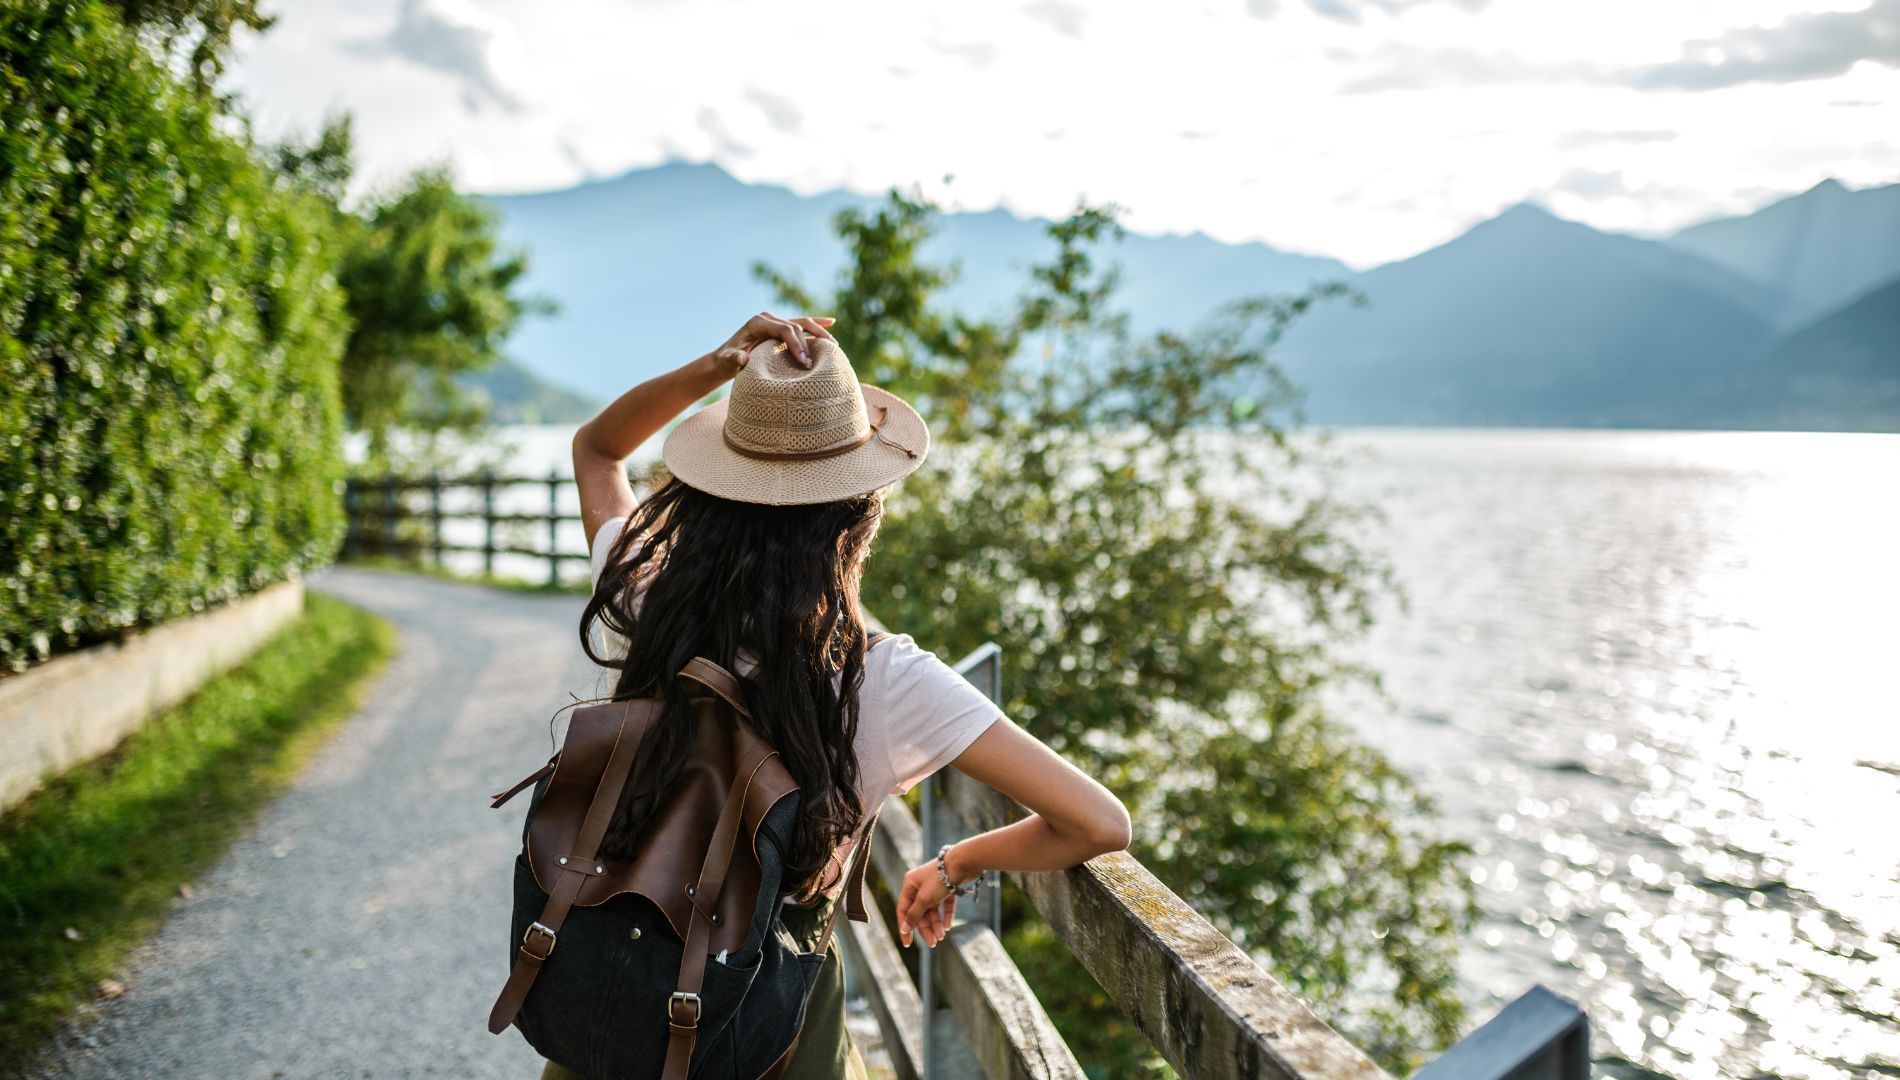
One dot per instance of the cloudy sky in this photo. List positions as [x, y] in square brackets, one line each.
[1364, 129]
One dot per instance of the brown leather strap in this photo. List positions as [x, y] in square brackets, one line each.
[853, 898]
[683, 1008]
[635, 724]
[718, 680]
[526, 782]
[870, 432]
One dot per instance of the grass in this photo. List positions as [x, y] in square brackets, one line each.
[91, 864]
[494, 581]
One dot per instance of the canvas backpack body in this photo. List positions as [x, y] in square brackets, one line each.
[674, 963]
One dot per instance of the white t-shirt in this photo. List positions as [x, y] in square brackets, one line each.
[915, 714]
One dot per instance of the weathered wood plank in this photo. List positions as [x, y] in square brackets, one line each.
[879, 969]
[894, 845]
[1001, 1018]
[1207, 1007]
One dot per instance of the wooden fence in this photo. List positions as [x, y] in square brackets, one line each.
[1207, 1007]
[410, 517]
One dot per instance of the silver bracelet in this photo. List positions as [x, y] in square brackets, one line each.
[969, 888]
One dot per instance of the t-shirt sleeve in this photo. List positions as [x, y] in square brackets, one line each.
[603, 543]
[934, 713]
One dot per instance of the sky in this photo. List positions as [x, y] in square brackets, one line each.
[1367, 130]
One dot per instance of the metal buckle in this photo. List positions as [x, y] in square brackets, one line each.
[679, 996]
[551, 936]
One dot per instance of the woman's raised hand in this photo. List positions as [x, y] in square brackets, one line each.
[732, 355]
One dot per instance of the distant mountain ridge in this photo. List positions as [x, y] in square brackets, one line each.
[1528, 319]
[1819, 249]
[1525, 319]
[516, 395]
[653, 267]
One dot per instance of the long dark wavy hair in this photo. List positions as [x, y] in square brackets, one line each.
[782, 581]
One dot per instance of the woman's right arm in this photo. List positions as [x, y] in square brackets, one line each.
[605, 442]
[1073, 819]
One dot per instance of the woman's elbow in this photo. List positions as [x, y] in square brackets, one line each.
[583, 442]
[1112, 829]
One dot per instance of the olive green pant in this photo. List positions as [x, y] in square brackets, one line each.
[824, 1046]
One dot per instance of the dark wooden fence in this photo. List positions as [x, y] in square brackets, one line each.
[410, 517]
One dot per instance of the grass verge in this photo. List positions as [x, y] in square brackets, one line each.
[90, 864]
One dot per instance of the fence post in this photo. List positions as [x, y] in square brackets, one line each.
[386, 529]
[352, 520]
[435, 516]
[488, 522]
[554, 526]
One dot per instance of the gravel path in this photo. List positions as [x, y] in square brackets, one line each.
[357, 930]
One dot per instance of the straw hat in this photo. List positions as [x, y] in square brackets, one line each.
[789, 435]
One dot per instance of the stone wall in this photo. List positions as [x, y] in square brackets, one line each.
[75, 707]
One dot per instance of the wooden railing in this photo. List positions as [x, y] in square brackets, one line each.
[1207, 1007]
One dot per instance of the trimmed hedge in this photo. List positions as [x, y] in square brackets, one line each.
[170, 432]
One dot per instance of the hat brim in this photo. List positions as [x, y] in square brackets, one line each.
[697, 454]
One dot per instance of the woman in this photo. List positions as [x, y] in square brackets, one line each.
[752, 555]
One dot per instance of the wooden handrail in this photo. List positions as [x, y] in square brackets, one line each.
[1205, 1004]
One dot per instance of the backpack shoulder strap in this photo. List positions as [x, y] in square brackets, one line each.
[634, 722]
[717, 679]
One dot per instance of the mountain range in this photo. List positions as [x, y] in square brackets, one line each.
[1788, 317]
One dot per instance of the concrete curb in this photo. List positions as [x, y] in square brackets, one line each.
[75, 707]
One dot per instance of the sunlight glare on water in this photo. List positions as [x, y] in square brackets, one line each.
[1650, 677]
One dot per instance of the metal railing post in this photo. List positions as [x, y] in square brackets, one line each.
[1541, 1034]
[941, 825]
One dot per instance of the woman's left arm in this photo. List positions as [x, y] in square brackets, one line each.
[603, 444]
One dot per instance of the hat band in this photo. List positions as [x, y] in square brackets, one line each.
[812, 455]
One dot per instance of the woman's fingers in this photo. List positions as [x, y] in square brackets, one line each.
[918, 917]
[793, 335]
[767, 325]
[816, 325]
[904, 903]
[791, 331]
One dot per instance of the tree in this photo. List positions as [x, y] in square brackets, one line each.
[199, 30]
[431, 295]
[1169, 577]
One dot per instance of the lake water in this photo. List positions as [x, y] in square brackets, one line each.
[1650, 676]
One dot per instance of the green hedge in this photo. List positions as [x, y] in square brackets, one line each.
[170, 433]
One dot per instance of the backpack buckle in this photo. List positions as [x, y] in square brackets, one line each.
[545, 932]
[681, 997]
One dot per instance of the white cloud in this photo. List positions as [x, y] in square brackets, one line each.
[455, 38]
[1196, 116]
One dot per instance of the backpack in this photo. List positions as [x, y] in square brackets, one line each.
[636, 939]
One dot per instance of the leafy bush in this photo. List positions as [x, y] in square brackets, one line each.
[1169, 576]
[169, 340]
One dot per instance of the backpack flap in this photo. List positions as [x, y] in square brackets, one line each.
[729, 761]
